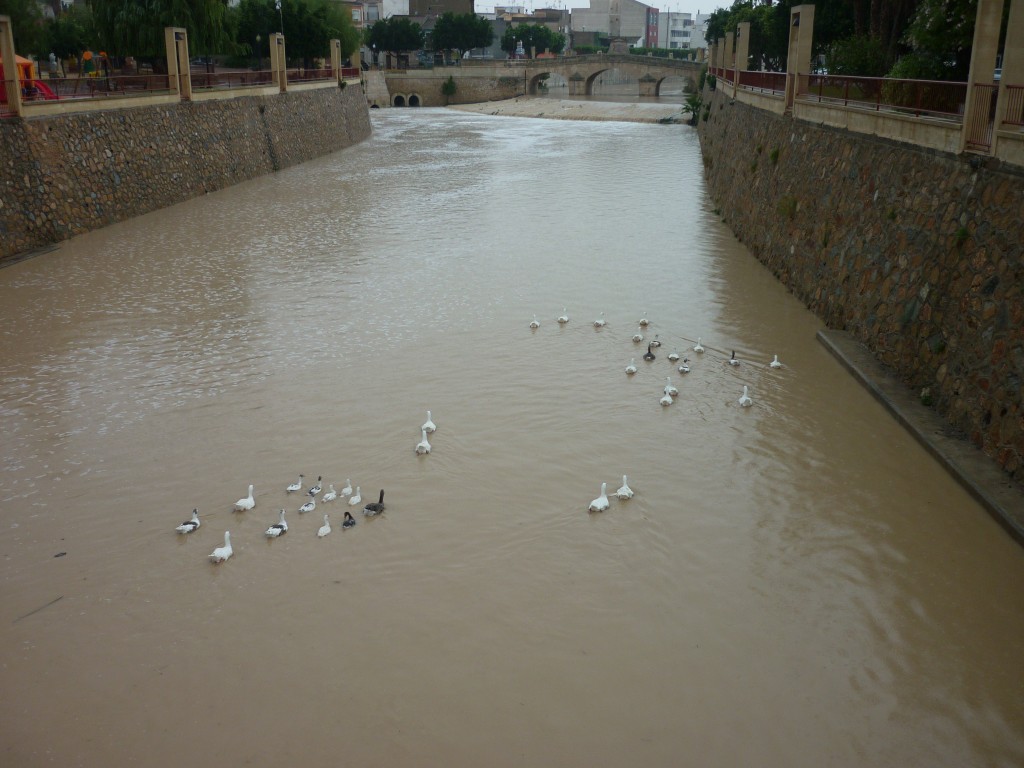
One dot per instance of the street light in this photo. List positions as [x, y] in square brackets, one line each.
[258, 51]
[280, 15]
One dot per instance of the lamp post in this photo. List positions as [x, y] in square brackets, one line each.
[258, 38]
[280, 15]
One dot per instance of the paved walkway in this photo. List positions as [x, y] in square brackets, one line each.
[973, 469]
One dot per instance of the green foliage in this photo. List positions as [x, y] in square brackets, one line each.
[136, 27]
[448, 87]
[71, 32]
[26, 24]
[944, 30]
[920, 66]
[960, 236]
[396, 34]
[533, 36]
[702, 78]
[584, 50]
[859, 55]
[773, 156]
[309, 26]
[663, 53]
[462, 32]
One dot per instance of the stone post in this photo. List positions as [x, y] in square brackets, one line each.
[278, 61]
[179, 73]
[336, 59]
[11, 83]
[1013, 61]
[729, 58]
[977, 130]
[742, 49]
[798, 62]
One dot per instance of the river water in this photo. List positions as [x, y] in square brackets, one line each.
[795, 583]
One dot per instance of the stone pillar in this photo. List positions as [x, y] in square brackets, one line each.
[577, 84]
[648, 85]
[1013, 60]
[730, 60]
[179, 73]
[977, 131]
[278, 61]
[11, 83]
[798, 61]
[336, 59]
[742, 47]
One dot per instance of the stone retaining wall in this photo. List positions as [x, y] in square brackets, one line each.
[426, 84]
[916, 252]
[69, 174]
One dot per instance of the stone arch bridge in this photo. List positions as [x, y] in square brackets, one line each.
[580, 72]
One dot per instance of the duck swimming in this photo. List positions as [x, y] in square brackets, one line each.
[325, 528]
[698, 347]
[331, 494]
[535, 324]
[631, 368]
[309, 506]
[648, 355]
[375, 507]
[277, 529]
[349, 521]
[600, 504]
[220, 554]
[625, 492]
[316, 488]
[745, 400]
[296, 486]
[190, 525]
[733, 360]
[775, 362]
[244, 505]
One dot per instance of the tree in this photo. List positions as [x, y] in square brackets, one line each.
[397, 34]
[26, 24]
[462, 32]
[940, 35]
[71, 33]
[534, 37]
[136, 27]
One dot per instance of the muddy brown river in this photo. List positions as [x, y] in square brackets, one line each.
[793, 584]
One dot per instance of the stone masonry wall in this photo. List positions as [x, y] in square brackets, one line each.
[917, 253]
[469, 90]
[64, 175]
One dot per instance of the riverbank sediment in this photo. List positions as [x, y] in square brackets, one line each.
[567, 109]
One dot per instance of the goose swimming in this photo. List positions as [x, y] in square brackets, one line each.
[625, 492]
[356, 498]
[277, 529]
[316, 488]
[375, 507]
[349, 521]
[535, 324]
[564, 317]
[673, 356]
[775, 362]
[309, 506]
[669, 389]
[638, 336]
[220, 554]
[655, 342]
[745, 400]
[331, 494]
[648, 355]
[698, 347]
[296, 486]
[347, 490]
[733, 360]
[631, 368]
[423, 446]
[685, 368]
[190, 525]
[242, 505]
[666, 399]
[599, 323]
[643, 320]
[325, 528]
[429, 425]
[600, 504]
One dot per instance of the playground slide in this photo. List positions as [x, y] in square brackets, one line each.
[43, 89]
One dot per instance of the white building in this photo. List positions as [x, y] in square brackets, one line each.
[629, 16]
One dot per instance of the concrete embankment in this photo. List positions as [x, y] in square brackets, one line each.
[567, 109]
[72, 173]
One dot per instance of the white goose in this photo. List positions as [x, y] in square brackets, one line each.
[296, 486]
[429, 425]
[325, 528]
[669, 389]
[423, 446]
[243, 505]
[331, 494]
[685, 367]
[277, 529]
[347, 490]
[638, 336]
[732, 360]
[673, 356]
[309, 506]
[625, 492]
[698, 347]
[599, 323]
[316, 488]
[666, 399]
[600, 504]
[535, 324]
[356, 499]
[643, 320]
[220, 554]
[564, 317]
[631, 368]
[656, 343]
[775, 362]
[190, 525]
[745, 400]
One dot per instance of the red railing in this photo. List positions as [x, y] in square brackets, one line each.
[205, 81]
[980, 121]
[5, 106]
[933, 98]
[62, 88]
[1014, 113]
[309, 75]
[764, 82]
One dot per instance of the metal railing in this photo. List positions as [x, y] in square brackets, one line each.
[764, 82]
[5, 106]
[933, 98]
[206, 81]
[64, 88]
[1014, 113]
[982, 118]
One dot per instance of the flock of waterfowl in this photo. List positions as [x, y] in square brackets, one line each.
[354, 497]
[669, 392]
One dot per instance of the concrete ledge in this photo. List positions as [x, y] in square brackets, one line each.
[973, 469]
